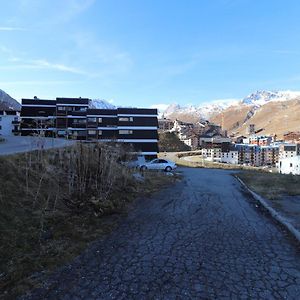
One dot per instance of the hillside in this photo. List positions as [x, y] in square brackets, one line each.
[169, 142]
[273, 117]
[7, 102]
[275, 112]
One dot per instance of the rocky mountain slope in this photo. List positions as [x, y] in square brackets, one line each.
[273, 112]
[274, 117]
[7, 102]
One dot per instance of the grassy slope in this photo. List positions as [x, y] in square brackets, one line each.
[270, 185]
[36, 236]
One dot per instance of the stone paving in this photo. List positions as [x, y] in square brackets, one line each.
[204, 238]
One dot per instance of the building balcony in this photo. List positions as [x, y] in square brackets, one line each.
[92, 124]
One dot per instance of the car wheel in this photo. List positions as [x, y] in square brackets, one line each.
[143, 168]
[168, 169]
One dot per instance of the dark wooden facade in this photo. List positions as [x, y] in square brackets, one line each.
[72, 118]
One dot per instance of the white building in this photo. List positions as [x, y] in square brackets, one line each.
[212, 154]
[191, 141]
[289, 165]
[9, 122]
[231, 157]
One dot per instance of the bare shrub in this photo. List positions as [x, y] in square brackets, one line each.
[89, 174]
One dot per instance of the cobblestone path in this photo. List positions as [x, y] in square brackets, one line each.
[204, 238]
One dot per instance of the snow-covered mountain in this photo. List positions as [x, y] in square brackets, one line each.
[101, 104]
[209, 110]
[7, 102]
[260, 98]
[204, 111]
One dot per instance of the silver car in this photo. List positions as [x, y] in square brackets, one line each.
[159, 164]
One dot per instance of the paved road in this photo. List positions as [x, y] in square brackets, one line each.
[18, 144]
[202, 239]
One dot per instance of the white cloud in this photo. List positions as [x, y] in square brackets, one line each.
[11, 28]
[41, 64]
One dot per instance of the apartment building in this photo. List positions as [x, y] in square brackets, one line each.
[269, 155]
[288, 150]
[255, 155]
[9, 122]
[216, 141]
[212, 154]
[259, 140]
[165, 124]
[72, 118]
[230, 157]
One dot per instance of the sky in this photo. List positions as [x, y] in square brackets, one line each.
[149, 52]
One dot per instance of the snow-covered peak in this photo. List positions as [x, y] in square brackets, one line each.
[204, 111]
[260, 98]
[172, 108]
[101, 104]
[208, 109]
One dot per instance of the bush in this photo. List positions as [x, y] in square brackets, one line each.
[48, 198]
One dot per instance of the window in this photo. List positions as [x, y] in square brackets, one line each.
[126, 119]
[79, 121]
[0, 118]
[92, 120]
[92, 132]
[100, 132]
[125, 132]
[61, 108]
[291, 165]
[155, 161]
[162, 161]
[0, 127]
[100, 120]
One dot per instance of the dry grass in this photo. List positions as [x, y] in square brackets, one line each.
[271, 117]
[198, 162]
[53, 203]
[271, 186]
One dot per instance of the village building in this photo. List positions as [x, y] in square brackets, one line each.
[9, 122]
[289, 165]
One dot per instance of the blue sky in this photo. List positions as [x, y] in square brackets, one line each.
[149, 52]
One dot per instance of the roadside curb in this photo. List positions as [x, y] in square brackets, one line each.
[295, 232]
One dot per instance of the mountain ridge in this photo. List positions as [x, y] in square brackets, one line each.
[7, 102]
